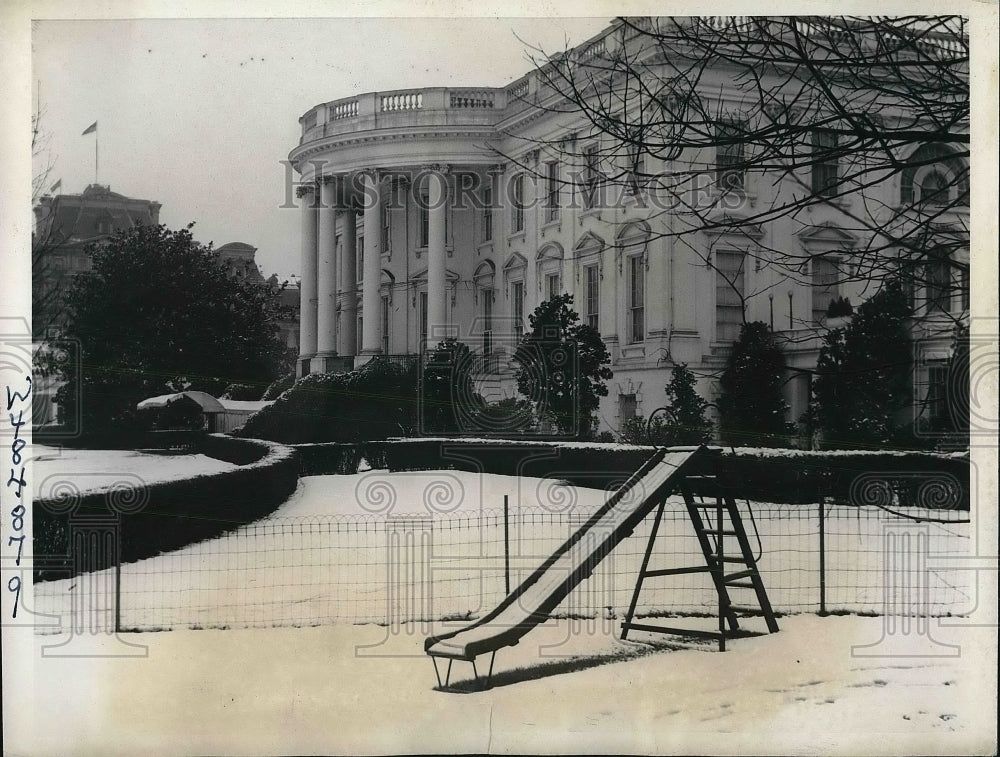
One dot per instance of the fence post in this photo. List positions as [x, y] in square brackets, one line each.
[506, 544]
[822, 556]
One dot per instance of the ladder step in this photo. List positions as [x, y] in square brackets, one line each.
[747, 610]
[738, 575]
[669, 629]
[733, 559]
[740, 585]
[721, 532]
[677, 571]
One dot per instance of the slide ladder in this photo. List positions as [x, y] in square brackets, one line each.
[710, 505]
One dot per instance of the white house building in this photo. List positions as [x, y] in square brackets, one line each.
[444, 211]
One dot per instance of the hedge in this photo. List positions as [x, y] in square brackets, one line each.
[171, 514]
[780, 476]
[377, 401]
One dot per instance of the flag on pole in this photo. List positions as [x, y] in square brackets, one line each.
[55, 186]
[89, 129]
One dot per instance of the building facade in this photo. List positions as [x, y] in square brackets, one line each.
[441, 211]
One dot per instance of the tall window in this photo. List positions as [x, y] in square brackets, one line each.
[826, 165]
[552, 285]
[385, 324]
[729, 292]
[360, 258]
[424, 223]
[552, 190]
[488, 209]
[963, 286]
[936, 401]
[386, 226]
[937, 281]
[593, 295]
[636, 281]
[637, 168]
[628, 406]
[824, 287]
[517, 307]
[591, 176]
[487, 298]
[517, 204]
[422, 315]
[730, 154]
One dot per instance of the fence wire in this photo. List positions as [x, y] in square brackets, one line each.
[389, 570]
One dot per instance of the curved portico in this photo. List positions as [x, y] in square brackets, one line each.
[384, 179]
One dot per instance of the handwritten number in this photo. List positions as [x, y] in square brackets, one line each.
[21, 483]
[14, 586]
[20, 546]
[17, 518]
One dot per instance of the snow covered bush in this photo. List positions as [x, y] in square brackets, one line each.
[375, 402]
[751, 408]
[864, 377]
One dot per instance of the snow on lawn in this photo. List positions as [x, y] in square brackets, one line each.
[379, 492]
[93, 469]
[565, 688]
[336, 552]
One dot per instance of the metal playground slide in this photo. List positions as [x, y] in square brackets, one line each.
[530, 603]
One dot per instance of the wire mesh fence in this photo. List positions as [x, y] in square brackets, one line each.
[391, 570]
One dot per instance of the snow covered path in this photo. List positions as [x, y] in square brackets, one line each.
[316, 690]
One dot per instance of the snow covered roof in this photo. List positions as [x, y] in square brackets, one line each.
[252, 406]
[207, 402]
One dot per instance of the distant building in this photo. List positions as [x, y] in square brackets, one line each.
[64, 225]
[289, 325]
[239, 259]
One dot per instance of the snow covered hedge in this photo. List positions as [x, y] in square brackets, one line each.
[171, 514]
[767, 475]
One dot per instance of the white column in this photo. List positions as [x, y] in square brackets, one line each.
[370, 343]
[307, 292]
[326, 281]
[437, 304]
[349, 304]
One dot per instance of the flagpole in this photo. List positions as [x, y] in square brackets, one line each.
[97, 140]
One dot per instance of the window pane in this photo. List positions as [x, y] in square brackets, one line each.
[518, 308]
[730, 155]
[488, 211]
[825, 287]
[825, 168]
[627, 406]
[517, 218]
[636, 299]
[593, 295]
[423, 317]
[729, 289]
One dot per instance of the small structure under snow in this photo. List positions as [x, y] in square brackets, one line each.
[220, 415]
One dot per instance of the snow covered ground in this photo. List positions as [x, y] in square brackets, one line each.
[565, 688]
[830, 685]
[388, 548]
[91, 469]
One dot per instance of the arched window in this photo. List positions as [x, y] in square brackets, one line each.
[935, 174]
[935, 188]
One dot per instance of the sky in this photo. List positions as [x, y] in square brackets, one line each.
[198, 114]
